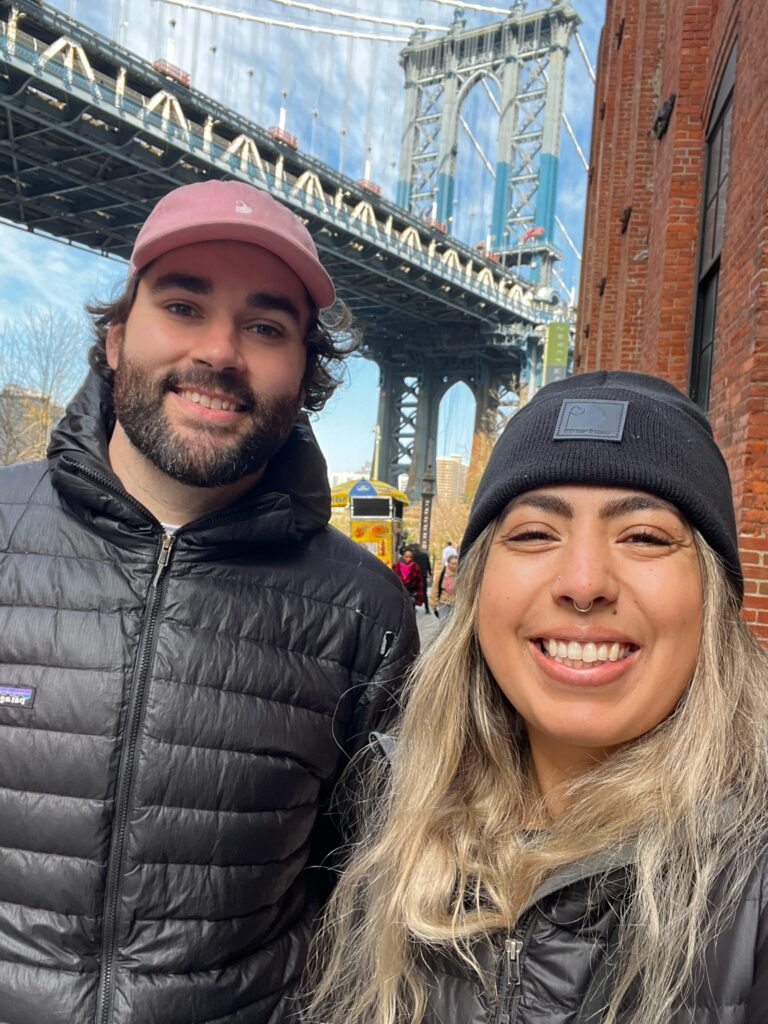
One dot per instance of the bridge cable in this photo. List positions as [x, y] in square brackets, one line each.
[474, 7]
[568, 238]
[477, 146]
[575, 142]
[583, 53]
[294, 26]
[333, 12]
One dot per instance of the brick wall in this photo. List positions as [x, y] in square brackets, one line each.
[637, 296]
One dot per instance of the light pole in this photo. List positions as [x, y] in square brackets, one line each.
[427, 494]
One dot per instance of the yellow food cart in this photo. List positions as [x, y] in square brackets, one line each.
[375, 515]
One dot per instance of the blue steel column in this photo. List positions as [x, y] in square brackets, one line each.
[504, 154]
[407, 141]
[424, 462]
[546, 195]
[449, 130]
[385, 454]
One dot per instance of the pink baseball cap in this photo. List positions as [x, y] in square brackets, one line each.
[232, 211]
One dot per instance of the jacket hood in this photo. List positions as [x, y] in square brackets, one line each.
[295, 483]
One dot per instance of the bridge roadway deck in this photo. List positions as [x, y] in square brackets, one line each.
[91, 136]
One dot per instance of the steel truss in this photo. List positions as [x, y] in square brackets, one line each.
[91, 136]
[524, 56]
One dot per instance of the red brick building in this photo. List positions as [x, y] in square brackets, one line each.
[675, 256]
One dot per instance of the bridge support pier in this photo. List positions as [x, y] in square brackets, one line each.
[409, 406]
[497, 398]
[406, 431]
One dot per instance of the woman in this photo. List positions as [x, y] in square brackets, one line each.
[573, 825]
[444, 585]
[410, 576]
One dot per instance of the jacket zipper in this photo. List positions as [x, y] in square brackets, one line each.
[133, 723]
[212, 517]
[105, 482]
[125, 784]
[509, 974]
[511, 971]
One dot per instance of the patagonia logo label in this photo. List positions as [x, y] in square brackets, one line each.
[590, 419]
[17, 696]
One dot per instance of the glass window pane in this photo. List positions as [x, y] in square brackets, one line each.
[717, 241]
[708, 239]
[704, 377]
[713, 162]
[708, 312]
[726, 148]
[704, 335]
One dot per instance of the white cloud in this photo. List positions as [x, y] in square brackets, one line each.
[35, 269]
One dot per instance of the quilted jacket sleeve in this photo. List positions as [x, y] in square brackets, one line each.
[377, 705]
[379, 701]
[757, 1006]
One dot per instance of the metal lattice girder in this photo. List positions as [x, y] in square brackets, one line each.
[524, 56]
[496, 388]
[396, 428]
[407, 429]
[413, 385]
[92, 137]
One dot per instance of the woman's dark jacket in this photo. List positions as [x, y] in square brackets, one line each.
[555, 967]
[170, 731]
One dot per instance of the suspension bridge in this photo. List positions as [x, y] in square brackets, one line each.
[91, 136]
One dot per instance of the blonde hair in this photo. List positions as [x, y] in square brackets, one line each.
[443, 861]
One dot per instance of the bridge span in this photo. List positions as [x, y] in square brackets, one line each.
[91, 136]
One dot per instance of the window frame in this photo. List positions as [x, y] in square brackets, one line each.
[713, 214]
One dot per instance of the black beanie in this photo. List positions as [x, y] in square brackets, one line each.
[615, 429]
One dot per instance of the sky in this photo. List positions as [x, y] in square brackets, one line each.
[343, 99]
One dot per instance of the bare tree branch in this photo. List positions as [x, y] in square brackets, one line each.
[42, 361]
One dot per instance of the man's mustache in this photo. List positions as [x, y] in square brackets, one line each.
[212, 381]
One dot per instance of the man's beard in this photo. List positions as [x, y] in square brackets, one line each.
[204, 455]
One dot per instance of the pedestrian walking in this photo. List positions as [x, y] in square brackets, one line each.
[444, 586]
[189, 654]
[408, 572]
[448, 552]
[573, 824]
[421, 558]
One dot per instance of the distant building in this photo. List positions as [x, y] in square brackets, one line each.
[451, 478]
[675, 261]
[341, 476]
[26, 420]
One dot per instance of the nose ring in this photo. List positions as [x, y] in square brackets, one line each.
[582, 611]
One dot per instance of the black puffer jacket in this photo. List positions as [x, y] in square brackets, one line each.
[160, 784]
[555, 968]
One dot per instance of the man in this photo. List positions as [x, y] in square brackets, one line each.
[449, 551]
[421, 558]
[189, 655]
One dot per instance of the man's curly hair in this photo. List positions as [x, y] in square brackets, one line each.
[330, 338]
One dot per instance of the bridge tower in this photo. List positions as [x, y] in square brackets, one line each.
[524, 56]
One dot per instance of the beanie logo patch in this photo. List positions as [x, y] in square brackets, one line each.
[590, 419]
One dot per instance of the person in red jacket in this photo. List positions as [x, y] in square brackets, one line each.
[410, 576]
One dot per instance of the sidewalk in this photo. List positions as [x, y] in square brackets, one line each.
[428, 626]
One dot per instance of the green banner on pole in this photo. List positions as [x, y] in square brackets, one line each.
[556, 352]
